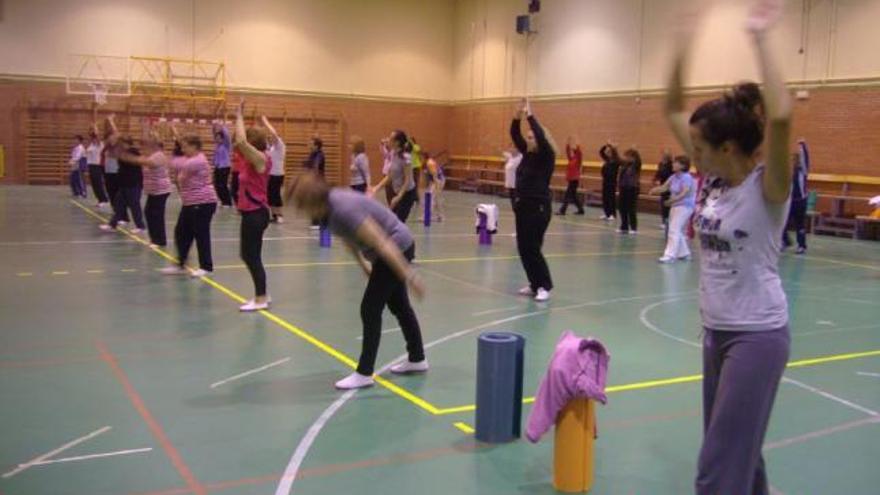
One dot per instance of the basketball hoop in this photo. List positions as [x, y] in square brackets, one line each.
[100, 92]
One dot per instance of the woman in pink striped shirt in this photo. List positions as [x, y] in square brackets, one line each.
[194, 183]
[157, 185]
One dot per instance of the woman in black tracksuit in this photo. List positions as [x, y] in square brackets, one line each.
[533, 207]
[628, 181]
[610, 167]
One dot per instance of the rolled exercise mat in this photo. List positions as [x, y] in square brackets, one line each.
[485, 236]
[324, 236]
[428, 200]
[499, 386]
[573, 447]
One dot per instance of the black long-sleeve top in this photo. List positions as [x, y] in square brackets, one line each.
[610, 168]
[536, 168]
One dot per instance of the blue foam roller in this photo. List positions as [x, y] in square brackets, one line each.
[428, 200]
[499, 387]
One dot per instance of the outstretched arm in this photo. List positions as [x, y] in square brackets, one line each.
[369, 234]
[777, 104]
[250, 153]
[516, 131]
[269, 127]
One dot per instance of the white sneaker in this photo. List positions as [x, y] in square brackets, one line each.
[603, 217]
[252, 306]
[123, 223]
[279, 219]
[633, 232]
[526, 291]
[106, 227]
[199, 273]
[666, 259]
[173, 270]
[355, 380]
[410, 367]
[621, 231]
[542, 295]
[153, 246]
[136, 231]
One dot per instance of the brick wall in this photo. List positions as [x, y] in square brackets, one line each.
[842, 127]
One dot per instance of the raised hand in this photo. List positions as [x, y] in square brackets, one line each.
[763, 15]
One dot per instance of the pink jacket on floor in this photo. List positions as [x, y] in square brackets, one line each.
[578, 369]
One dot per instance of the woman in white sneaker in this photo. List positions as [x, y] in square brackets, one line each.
[533, 204]
[384, 247]
[194, 175]
[253, 203]
[682, 190]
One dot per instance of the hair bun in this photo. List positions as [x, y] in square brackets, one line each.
[746, 95]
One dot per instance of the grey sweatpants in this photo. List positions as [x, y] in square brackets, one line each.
[741, 373]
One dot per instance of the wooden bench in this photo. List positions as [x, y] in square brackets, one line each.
[863, 223]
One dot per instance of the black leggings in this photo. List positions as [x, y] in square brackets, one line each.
[532, 220]
[233, 187]
[253, 225]
[273, 189]
[96, 177]
[221, 185]
[385, 288]
[405, 205]
[194, 223]
[155, 213]
[608, 200]
[571, 196]
[629, 197]
[797, 219]
[359, 188]
[127, 199]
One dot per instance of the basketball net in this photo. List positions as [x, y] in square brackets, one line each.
[100, 91]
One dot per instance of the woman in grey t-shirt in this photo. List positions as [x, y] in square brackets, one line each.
[360, 165]
[740, 217]
[399, 178]
[384, 247]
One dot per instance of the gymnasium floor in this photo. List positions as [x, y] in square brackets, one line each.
[102, 355]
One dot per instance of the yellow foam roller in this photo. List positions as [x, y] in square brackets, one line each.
[573, 447]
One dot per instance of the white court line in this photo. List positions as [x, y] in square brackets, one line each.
[285, 484]
[491, 311]
[68, 445]
[390, 330]
[820, 433]
[250, 372]
[785, 379]
[864, 373]
[93, 456]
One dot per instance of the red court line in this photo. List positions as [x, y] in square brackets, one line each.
[331, 469]
[192, 483]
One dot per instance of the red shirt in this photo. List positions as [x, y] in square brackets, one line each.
[575, 161]
[252, 185]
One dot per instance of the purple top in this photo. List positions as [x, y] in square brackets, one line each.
[578, 369]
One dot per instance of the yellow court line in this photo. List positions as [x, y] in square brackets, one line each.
[94, 271]
[441, 260]
[686, 379]
[465, 428]
[128, 270]
[323, 346]
[25, 274]
[845, 263]
[61, 273]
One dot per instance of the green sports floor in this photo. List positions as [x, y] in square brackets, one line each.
[116, 380]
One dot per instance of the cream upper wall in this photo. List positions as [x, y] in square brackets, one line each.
[586, 46]
[390, 48]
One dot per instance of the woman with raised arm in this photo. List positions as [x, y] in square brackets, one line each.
[629, 182]
[277, 151]
[384, 248]
[94, 151]
[610, 170]
[253, 203]
[400, 178]
[157, 185]
[199, 200]
[533, 207]
[740, 217]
